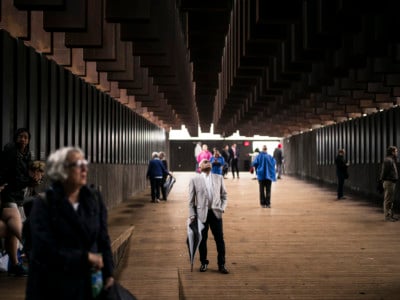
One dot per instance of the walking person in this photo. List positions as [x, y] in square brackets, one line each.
[164, 178]
[265, 165]
[278, 156]
[155, 173]
[341, 172]
[207, 202]
[70, 241]
[234, 153]
[389, 177]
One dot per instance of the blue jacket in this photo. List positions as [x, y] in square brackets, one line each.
[156, 169]
[265, 165]
[217, 164]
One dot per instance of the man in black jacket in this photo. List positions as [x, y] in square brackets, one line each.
[389, 177]
[341, 172]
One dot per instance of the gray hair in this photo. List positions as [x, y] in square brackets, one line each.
[56, 168]
[154, 154]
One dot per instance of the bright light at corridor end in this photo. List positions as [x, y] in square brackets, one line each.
[183, 134]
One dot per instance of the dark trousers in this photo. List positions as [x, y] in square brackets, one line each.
[265, 191]
[340, 186]
[163, 190]
[215, 225]
[235, 167]
[155, 184]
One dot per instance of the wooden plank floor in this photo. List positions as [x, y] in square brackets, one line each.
[307, 246]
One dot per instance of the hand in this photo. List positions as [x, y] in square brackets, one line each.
[95, 260]
[109, 283]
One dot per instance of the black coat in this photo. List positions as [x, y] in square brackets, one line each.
[14, 171]
[61, 240]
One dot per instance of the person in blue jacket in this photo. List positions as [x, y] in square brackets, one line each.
[265, 165]
[217, 163]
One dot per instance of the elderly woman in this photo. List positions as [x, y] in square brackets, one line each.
[70, 241]
[14, 179]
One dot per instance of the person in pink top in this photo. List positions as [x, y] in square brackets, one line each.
[204, 154]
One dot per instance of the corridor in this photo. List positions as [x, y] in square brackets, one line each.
[307, 246]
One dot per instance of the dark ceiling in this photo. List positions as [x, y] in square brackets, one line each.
[262, 67]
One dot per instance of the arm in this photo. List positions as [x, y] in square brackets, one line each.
[103, 241]
[223, 195]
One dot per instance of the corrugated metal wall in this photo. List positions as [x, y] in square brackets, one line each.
[60, 109]
[365, 141]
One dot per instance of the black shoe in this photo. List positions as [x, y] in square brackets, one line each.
[389, 219]
[268, 206]
[223, 270]
[203, 267]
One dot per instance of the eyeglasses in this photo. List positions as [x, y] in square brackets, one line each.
[80, 163]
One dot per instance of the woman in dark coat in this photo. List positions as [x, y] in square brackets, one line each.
[70, 240]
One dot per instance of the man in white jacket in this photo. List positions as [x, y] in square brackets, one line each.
[207, 202]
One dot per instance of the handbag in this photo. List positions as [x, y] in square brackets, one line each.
[251, 170]
[116, 292]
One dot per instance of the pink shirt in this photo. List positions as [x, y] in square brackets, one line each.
[204, 155]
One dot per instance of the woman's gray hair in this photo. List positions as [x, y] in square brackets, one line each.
[56, 163]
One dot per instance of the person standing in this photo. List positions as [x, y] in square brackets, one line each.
[217, 163]
[278, 156]
[341, 172]
[197, 150]
[234, 153]
[265, 165]
[14, 177]
[70, 240]
[155, 173]
[389, 177]
[253, 156]
[207, 203]
[204, 154]
[227, 157]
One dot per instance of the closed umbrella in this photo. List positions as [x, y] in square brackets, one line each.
[169, 183]
[193, 240]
